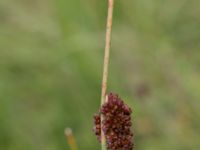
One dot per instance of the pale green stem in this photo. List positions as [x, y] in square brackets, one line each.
[106, 62]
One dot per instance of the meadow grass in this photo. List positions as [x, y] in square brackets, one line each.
[51, 55]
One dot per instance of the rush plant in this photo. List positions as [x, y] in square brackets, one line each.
[113, 122]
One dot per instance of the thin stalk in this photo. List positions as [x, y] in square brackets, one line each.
[106, 62]
[70, 139]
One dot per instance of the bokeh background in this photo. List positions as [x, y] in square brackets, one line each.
[51, 55]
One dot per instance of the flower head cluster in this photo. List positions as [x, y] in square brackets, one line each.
[116, 124]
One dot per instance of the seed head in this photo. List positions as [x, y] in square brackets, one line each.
[116, 124]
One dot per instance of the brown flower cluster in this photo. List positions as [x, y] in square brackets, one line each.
[116, 124]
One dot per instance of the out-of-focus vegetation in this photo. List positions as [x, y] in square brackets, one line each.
[51, 54]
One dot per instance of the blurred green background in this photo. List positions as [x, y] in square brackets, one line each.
[51, 55]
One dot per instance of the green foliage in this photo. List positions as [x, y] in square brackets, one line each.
[51, 55]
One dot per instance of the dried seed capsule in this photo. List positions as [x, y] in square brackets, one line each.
[116, 124]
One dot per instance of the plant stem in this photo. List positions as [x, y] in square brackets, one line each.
[70, 139]
[105, 65]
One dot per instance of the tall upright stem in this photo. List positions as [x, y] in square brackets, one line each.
[106, 62]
